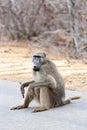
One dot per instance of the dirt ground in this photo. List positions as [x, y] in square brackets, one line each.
[15, 65]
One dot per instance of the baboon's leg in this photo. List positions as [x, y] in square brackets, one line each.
[39, 109]
[37, 94]
[28, 99]
[46, 100]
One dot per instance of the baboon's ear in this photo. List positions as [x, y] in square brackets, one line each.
[44, 54]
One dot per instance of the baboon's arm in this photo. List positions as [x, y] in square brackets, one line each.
[41, 84]
[26, 84]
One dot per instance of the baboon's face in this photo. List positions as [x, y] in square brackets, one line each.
[38, 60]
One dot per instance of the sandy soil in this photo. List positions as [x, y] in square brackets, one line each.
[15, 64]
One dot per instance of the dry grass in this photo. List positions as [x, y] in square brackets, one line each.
[15, 64]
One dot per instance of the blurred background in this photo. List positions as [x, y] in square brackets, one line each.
[58, 27]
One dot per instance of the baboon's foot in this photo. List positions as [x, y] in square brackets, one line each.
[39, 109]
[67, 101]
[18, 107]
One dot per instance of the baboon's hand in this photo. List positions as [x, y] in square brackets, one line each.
[22, 90]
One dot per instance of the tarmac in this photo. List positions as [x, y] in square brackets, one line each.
[69, 117]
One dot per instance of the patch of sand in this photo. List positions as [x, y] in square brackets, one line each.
[15, 64]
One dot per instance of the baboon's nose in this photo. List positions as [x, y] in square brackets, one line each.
[35, 68]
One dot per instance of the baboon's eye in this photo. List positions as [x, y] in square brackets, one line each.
[37, 56]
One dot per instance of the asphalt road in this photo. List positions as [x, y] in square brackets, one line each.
[68, 117]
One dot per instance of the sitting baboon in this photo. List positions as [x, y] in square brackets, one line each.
[47, 85]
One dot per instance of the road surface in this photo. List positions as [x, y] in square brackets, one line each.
[68, 117]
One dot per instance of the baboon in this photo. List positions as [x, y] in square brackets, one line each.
[47, 86]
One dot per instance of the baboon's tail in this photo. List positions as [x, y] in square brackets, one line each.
[75, 97]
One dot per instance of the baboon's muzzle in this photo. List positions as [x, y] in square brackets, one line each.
[35, 68]
[36, 63]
